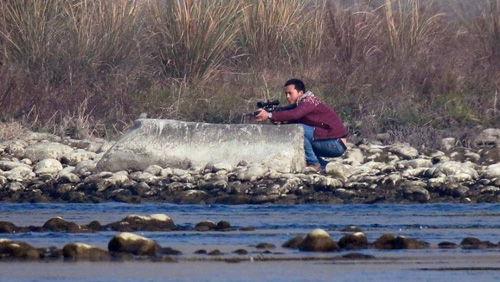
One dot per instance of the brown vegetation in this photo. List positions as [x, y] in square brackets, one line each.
[417, 69]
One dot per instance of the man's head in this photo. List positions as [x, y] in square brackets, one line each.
[293, 89]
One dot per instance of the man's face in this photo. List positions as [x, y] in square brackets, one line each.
[292, 94]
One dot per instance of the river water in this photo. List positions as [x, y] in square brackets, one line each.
[273, 224]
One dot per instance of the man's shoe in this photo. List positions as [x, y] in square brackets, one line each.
[313, 168]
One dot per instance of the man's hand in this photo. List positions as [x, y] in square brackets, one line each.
[262, 115]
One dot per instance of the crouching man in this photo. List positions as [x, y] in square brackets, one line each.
[324, 132]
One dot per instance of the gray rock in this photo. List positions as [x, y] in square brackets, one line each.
[488, 136]
[20, 173]
[84, 167]
[448, 143]
[76, 156]
[48, 150]
[154, 170]
[318, 240]
[403, 150]
[417, 193]
[133, 244]
[177, 144]
[338, 170]
[453, 168]
[251, 173]
[80, 251]
[492, 171]
[48, 166]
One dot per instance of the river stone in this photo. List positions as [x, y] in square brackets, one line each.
[16, 148]
[353, 241]
[48, 166]
[488, 137]
[356, 156]
[48, 150]
[80, 251]
[385, 242]
[9, 165]
[154, 222]
[403, 150]
[402, 242]
[417, 163]
[339, 170]
[452, 168]
[20, 173]
[58, 224]
[76, 156]
[13, 187]
[492, 171]
[223, 166]
[154, 170]
[447, 143]
[205, 226]
[179, 144]
[84, 167]
[18, 250]
[251, 173]
[133, 244]
[417, 193]
[318, 240]
[7, 227]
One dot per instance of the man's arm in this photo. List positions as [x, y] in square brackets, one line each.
[296, 113]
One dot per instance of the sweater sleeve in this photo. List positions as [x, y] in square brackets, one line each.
[296, 113]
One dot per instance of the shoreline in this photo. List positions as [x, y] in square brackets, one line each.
[47, 168]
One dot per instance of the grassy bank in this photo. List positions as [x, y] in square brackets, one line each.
[417, 69]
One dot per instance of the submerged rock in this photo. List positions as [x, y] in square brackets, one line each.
[133, 244]
[318, 240]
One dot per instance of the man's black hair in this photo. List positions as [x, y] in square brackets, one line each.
[299, 85]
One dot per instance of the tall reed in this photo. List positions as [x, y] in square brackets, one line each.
[29, 32]
[410, 26]
[280, 29]
[192, 37]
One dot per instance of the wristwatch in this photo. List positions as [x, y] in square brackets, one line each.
[269, 115]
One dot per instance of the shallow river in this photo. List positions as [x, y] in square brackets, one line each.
[273, 224]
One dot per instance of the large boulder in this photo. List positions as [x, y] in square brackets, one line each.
[133, 244]
[178, 144]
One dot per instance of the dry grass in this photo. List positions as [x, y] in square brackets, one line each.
[192, 36]
[83, 67]
[11, 130]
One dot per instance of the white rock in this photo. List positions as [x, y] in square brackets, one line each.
[492, 171]
[223, 166]
[48, 166]
[404, 150]
[154, 170]
[339, 170]
[448, 143]
[47, 150]
[20, 173]
[452, 168]
[78, 155]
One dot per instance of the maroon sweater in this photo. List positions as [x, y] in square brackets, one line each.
[311, 111]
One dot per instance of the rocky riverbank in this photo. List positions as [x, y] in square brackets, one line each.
[130, 246]
[47, 168]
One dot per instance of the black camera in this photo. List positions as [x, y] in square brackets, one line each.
[268, 106]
